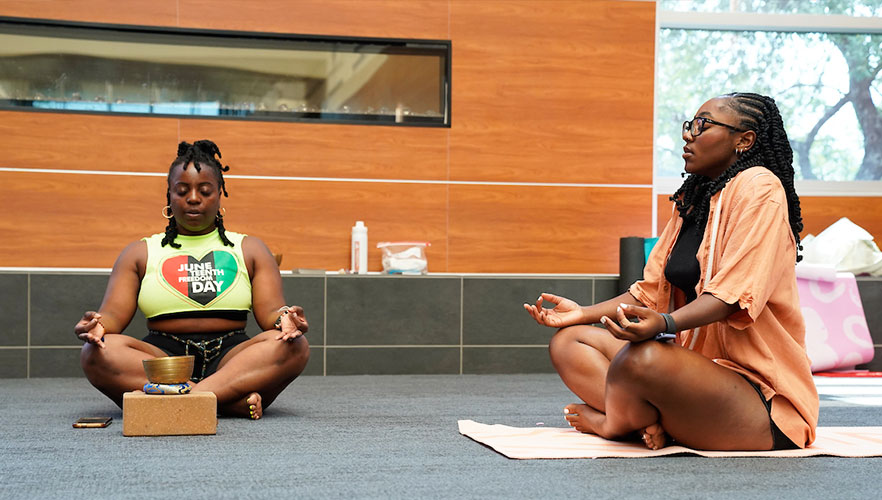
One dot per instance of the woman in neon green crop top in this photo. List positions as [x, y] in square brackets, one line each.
[195, 284]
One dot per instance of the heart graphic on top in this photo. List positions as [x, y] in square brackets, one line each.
[201, 280]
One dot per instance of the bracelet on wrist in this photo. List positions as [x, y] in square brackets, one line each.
[670, 328]
[282, 311]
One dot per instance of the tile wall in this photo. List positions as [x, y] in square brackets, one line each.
[375, 324]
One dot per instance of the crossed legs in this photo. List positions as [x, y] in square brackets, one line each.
[653, 388]
[252, 374]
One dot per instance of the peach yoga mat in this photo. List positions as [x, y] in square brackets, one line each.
[553, 442]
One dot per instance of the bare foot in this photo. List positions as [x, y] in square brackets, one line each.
[578, 416]
[255, 409]
[654, 437]
[249, 407]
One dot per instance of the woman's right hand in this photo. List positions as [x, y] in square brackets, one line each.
[90, 330]
[565, 312]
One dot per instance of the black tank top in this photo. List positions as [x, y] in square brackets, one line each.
[682, 269]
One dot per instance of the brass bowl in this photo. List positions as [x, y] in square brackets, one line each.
[169, 370]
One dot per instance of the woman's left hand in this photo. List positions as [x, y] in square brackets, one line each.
[634, 323]
[293, 323]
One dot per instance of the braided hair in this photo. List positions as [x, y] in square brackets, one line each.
[202, 153]
[771, 150]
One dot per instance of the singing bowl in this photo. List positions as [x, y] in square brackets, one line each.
[169, 370]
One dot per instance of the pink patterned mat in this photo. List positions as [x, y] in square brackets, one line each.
[554, 442]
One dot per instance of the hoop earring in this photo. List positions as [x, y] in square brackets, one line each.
[739, 151]
[223, 211]
[167, 209]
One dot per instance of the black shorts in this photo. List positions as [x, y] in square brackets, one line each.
[780, 441]
[208, 348]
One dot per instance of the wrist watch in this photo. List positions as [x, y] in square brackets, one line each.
[670, 332]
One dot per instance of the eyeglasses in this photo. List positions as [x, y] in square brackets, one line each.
[696, 126]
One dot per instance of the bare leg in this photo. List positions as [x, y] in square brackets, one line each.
[254, 372]
[581, 355]
[117, 368]
[697, 402]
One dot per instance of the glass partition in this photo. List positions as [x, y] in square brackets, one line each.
[75, 67]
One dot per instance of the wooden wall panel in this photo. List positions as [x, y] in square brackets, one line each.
[86, 142]
[372, 18]
[663, 211]
[316, 150]
[101, 142]
[543, 229]
[310, 222]
[555, 91]
[157, 13]
[75, 220]
[818, 212]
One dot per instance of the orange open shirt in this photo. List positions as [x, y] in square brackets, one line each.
[753, 256]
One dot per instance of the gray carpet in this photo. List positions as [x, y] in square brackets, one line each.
[377, 437]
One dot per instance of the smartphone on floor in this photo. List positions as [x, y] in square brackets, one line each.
[91, 422]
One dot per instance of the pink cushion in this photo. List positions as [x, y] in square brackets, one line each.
[836, 332]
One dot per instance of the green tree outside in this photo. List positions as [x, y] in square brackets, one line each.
[826, 85]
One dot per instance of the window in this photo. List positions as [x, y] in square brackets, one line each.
[74, 67]
[819, 59]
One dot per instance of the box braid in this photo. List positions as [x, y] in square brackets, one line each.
[200, 153]
[771, 150]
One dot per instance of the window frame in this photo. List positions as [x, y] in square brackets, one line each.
[752, 21]
[248, 39]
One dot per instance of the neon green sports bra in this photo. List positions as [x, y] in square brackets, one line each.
[202, 275]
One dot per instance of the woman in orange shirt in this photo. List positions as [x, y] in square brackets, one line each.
[729, 370]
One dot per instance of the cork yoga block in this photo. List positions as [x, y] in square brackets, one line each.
[169, 415]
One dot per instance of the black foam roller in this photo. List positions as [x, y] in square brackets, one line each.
[631, 261]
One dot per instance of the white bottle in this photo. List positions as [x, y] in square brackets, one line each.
[359, 248]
